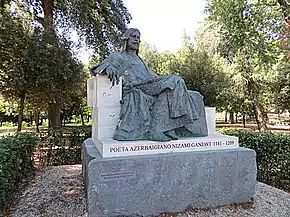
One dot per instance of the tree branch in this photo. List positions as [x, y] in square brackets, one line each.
[3, 2]
[271, 5]
[40, 20]
[283, 4]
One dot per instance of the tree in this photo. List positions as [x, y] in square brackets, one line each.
[99, 23]
[3, 111]
[250, 29]
[280, 85]
[209, 40]
[77, 105]
[40, 68]
[151, 56]
[61, 75]
[158, 62]
[201, 70]
[16, 78]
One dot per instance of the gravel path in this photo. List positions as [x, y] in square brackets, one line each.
[55, 191]
[59, 191]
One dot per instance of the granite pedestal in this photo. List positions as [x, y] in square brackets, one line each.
[150, 184]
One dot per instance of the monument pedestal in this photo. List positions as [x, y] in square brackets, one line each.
[149, 184]
[141, 178]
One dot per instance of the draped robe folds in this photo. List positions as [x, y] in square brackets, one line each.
[153, 105]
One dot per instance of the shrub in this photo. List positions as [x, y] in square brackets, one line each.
[16, 163]
[273, 155]
[62, 147]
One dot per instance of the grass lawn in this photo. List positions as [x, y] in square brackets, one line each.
[6, 131]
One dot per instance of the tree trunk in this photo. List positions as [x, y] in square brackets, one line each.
[257, 108]
[82, 118]
[37, 121]
[232, 119]
[20, 114]
[54, 115]
[50, 37]
[244, 120]
[48, 13]
[260, 118]
[226, 117]
[31, 118]
[253, 91]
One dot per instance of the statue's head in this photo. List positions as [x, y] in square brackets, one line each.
[131, 39]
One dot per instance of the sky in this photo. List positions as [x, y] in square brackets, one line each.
[162, 23]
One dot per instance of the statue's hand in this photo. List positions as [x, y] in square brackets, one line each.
[93, 70]
[113, 75]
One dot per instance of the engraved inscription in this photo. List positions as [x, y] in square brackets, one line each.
[189, 145]
[122, 175]
[106, 94]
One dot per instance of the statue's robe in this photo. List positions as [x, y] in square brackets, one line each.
[154, 105]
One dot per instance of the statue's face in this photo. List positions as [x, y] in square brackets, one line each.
[134, 41]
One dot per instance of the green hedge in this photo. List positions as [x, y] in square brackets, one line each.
[16, 163]
[71, 154]
[62, 147]
[273, 155]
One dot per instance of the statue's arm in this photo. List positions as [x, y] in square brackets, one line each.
[101, 68]
[152, 73]
[109, 67]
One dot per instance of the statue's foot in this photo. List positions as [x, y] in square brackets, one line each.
[171, 134]
[159, 136]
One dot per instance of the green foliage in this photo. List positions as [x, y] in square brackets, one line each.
[15, 75]
[3, 111]
[61, 147]
[40, 71]
[208, 38]
[161, 63]
[37, 63]
[76, 104]
[16, 163]
[273, 155]
[99, 23]
[67, 79]
[201, 70]
[280, 85]
[72, 153]
[250, 25]
[212, 47]
[251, 33]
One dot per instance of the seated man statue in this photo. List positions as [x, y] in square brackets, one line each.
[158, 108]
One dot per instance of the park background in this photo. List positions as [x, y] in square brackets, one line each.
[235, 53]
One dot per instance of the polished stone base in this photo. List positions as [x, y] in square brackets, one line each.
[109, 148]
[150, 184]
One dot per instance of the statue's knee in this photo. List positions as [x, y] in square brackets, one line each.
[178, 79]
[196, 95]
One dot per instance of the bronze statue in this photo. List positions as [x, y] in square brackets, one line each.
[153, 107]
